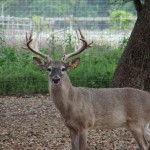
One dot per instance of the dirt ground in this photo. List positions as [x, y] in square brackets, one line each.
[33, 123]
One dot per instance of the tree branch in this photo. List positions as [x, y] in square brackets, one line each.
[138, 6]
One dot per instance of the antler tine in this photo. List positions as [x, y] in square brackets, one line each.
[84, 46]
[82, 37]
[35, 50]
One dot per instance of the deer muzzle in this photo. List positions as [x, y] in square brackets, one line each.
[56, 79]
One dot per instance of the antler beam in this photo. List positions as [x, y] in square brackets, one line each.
[35, 50]
[84, 46]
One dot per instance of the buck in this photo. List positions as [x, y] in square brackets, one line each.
[84, 108]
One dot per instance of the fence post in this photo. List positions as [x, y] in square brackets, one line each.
[71, 19]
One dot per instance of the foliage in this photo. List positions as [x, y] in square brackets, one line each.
[121, 19]
[36, 22]
[125, 5]
[59, 8]
[96, 69]
[123, 43]
[2, 41]
[18, 74]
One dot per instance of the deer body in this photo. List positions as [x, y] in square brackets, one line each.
[106, 108]
[84, 108]
[116, 107]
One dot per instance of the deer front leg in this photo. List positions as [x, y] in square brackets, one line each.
[83, 139]
[74, 135]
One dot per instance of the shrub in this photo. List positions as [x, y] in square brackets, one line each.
[121, 19]
[20, 75]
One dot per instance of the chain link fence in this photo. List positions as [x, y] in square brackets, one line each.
[54, 21]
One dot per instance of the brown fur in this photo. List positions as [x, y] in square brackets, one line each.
[109, 108]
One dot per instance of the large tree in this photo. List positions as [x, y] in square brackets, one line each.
[133, 69]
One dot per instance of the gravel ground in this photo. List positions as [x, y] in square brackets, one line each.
[32, 123]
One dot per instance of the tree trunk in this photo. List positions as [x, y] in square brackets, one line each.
[133, 69]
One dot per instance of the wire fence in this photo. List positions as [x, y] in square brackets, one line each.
[55, 22]
[34, 86]
[49, 17]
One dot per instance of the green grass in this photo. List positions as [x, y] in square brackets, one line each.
[18, 73]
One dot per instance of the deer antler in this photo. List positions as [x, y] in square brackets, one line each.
[35, 49]
[84, 46]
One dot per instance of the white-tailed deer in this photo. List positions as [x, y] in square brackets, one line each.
[83, 108]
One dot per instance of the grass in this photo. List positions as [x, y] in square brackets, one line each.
[18, 73]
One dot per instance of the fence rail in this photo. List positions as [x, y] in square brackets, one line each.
[15, 22]
[8, 22]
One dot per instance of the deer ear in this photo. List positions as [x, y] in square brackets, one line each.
[74, 63]
[40, 63]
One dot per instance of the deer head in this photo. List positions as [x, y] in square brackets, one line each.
[56, 69]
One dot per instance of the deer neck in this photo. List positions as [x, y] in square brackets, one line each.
[62, 94]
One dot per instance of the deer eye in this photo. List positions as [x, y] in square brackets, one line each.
[49, 69]
[63, 69]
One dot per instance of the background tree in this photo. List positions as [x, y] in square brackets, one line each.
[133, 69]
[120, 19]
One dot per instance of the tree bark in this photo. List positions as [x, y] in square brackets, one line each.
[138, 6]
[133, 69]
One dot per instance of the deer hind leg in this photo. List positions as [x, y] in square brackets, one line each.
[83, 139]
[147, 133]
[138, 132]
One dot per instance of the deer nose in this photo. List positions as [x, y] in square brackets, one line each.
[56, 79]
